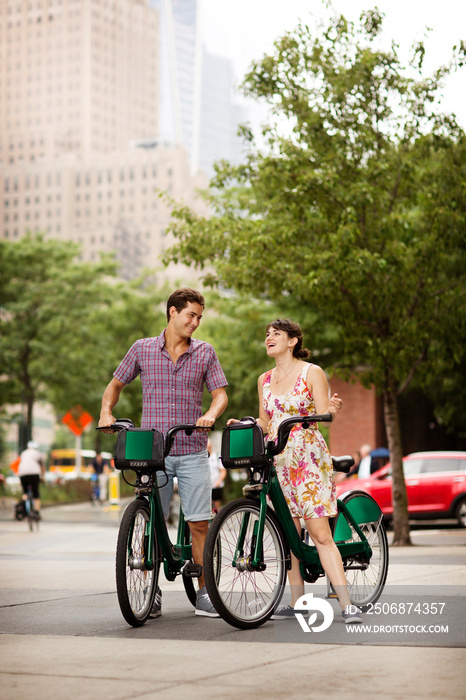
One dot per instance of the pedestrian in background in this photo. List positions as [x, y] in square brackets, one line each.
[101, 469]
[218, 474]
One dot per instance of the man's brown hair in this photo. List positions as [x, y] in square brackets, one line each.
[182, 297]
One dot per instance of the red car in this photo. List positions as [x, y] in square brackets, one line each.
[435, 483]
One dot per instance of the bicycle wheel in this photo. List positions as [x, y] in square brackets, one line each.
[30, 513]
[244, 597]
[136, 585]
[188, 581]
[365, 580]
[34, 520]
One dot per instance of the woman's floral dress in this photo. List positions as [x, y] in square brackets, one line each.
[304, 468]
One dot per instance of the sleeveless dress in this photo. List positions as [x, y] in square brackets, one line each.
[304, 468]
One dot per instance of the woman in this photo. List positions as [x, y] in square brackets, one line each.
[304, 468]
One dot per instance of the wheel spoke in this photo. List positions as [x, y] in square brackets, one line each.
[365, 585]
[244, 597]
[135, 584]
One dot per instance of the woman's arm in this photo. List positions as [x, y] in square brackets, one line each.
[318, 386]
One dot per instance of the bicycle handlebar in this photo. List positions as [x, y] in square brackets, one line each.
[119, 424]
[285, 426]
[125, 423]
[171, 432]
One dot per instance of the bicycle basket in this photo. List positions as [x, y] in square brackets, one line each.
[139, 448]
[243, 445]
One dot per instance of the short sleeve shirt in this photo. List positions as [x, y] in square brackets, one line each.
[30, 463]
[172, 393]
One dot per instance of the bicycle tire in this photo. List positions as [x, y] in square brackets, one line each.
[31, 514]
[244, 598]
[136, 585]
[365, 586]
[188, 581]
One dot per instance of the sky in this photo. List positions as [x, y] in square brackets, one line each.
[243, 30]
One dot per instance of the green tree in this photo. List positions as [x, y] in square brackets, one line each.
[45, 338]
[235, 326]
[136, 309]
[357, 207]
[65, 326]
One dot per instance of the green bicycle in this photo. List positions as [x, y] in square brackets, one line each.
[144, 544]
[247, 550]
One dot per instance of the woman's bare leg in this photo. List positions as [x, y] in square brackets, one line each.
[330, 558]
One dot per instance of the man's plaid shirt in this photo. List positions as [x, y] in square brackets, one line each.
[171, 393]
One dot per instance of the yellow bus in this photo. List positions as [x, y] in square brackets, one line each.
[63, 460]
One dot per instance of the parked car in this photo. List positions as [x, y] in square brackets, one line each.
[435, 484]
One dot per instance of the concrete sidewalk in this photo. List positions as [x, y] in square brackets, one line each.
[63, 636]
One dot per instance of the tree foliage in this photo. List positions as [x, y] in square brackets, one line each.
[357, 206]
[236, 326]
[65, 326]
[44, 301]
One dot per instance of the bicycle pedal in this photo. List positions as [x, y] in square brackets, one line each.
[192, 570]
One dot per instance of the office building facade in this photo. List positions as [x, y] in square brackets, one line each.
[80, 151]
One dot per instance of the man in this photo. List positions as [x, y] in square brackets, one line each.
[174, 368]
[31, 468]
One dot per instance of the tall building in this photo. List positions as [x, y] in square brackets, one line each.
[198, 107]
[220, 114]
[80, 151]
[77, 76]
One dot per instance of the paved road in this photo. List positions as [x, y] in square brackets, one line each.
[62, 633]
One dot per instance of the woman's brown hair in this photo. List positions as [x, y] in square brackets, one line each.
[292, 330]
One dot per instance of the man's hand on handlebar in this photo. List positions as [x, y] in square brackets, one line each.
[206, 421]
[105, 420]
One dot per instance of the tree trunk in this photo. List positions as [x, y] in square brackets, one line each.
[399, 495]
[29, 411]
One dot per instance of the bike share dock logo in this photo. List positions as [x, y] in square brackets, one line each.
[307, 604]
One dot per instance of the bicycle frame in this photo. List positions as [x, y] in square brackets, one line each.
[174, 556]
[306, 554]
[143, 538]
[251, 542]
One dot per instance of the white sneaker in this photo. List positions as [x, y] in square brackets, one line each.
[204, 604]
[283, 613]
[352, 614]
[156, 609]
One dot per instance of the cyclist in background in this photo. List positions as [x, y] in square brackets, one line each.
[31, 468]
